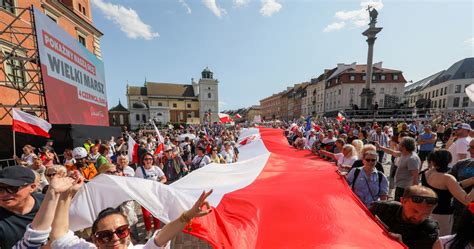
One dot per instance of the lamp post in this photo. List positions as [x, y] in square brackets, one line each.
[367, 94]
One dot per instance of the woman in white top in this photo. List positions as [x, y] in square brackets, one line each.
[27, 157]
[151, 172]
[344, 159]
[122, 166]
[109, 230]
[464, 239]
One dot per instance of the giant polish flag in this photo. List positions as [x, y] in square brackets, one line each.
[26, 123]
[274, 197]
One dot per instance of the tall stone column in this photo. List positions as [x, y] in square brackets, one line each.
[367, 95]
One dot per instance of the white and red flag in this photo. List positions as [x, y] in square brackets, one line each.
[132, 150]
[340, 117]
[238, 116]
[274, 197]
[160, 141]
[224, 118]
[26, 123]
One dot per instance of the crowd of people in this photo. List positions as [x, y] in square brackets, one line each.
[416, 177]
[36, 194]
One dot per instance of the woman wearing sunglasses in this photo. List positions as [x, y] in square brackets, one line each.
[446, 187]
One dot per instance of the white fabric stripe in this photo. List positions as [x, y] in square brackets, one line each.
[30, 119]
[226, 178]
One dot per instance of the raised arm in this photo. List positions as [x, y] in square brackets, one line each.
[171, 229]
[458, 192]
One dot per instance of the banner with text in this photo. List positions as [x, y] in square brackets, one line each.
[74, 78]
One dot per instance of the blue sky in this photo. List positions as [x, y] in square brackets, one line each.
[259, 47]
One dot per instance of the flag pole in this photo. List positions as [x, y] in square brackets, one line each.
[14, 143]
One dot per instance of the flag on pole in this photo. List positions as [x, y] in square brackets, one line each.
[160, 146]
[224, 118]
[308, 124]
[340, 117]
[132, 150]
[238, 116]
[26, 123]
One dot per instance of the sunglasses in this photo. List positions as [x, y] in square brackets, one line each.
[50, 175]
[427, 200]
[108, 235]
[10, 189]
[370, 160]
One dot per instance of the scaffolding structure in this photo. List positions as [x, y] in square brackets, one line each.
[20, 68]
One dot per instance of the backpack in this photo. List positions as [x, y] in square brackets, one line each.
[356, 174]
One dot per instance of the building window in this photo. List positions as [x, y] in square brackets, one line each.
[137, 117]
[465, 102]
[374, 77]
[159, 114]
[80, 7]
[209, 95]
[352, 77]
[160, 104]
[436, 94]
[340, 91]
[364, 77]
[456, 102]
[444, 103]
[433, 94]
[81, 39]
[435, 104]
[143, 117]
[382, 77]
[175, 105]
[8, 5]
[394, 91]
[445, 90]
[121, 119]
[15, 71]
[189, 105]
[457, 89]
[382, 90]
[209, 88]
[395, 77]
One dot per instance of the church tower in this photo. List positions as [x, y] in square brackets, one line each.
[208, 96]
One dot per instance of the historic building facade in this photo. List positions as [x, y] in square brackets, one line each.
[444, 90]
[175, 103]
[119, 116]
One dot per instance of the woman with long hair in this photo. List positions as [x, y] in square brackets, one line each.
[446, 187]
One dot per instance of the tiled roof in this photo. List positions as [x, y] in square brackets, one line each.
[167, 89]
[119, 108]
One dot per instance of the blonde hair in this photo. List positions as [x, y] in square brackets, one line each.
[358, 145]
[351, 148]
[59, 169]
[106, 167]
[368, 147]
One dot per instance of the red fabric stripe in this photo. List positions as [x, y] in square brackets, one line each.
[298, 201]
[23, 127]
[159, 148]
[135, 158]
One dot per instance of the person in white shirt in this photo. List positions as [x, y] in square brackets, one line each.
[122, 165]
[458, 143]
[228, 153]
[200, 160]
[27, 157]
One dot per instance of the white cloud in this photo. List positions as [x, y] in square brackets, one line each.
[127, 19]
[334, 26]
[355, 18]
[212, 5]
[269, 7]
[470, 42]
[241, 3]
[186, 6]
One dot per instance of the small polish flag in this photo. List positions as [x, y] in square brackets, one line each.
[340, 117]
[132, 150]
[30, 124]
[160, 141]
[238, 116]
[224, 118]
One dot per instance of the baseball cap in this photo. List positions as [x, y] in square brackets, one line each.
[464, 126]
[17, 176]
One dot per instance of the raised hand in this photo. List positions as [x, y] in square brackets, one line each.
[61, 184]
[196, 210]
